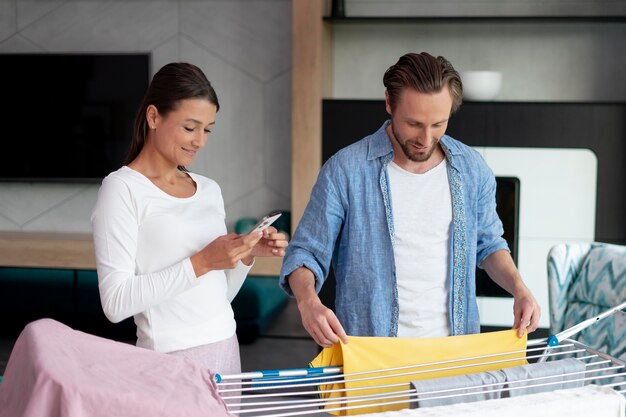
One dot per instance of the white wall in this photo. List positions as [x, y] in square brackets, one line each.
[557, 205]
[539, 61]
[243, 46]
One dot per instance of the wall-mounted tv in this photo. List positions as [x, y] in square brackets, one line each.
[68, 117]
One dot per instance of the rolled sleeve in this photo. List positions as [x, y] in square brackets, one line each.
[298, 259]
[313, 242]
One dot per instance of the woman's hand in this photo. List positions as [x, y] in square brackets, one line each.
[225, 252]
[271, 244]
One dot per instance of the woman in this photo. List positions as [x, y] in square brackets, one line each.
[162, 252]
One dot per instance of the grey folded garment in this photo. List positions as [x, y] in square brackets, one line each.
[474, 383]
[507, 378]
[555, 370]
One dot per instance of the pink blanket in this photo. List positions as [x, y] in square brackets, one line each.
[57, 371]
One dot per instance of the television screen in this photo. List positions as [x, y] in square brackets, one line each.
[507, 207]
[68, 117]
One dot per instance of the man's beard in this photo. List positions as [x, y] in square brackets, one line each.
[411, 153]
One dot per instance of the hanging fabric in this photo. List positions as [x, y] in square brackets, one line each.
[364, 354]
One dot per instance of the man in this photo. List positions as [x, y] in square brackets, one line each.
[405, 215]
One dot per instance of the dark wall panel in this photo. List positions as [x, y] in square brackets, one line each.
[600, 127]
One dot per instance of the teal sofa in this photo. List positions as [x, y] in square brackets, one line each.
[256, 306]
[67, 295]
[72, 297]
[260, 299]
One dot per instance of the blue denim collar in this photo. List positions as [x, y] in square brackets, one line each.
[380, 145]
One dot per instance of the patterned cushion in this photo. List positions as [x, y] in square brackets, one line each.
[565, 261]
[602, 278]
[599, 285]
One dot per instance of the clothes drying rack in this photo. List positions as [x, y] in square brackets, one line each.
[293, 392]
[304, 391]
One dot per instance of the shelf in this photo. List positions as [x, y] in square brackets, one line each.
[47, 250]
[381, 102]
[474, 19]
[75, 251]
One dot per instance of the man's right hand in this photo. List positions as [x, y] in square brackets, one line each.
[317, 319]
[321, 323]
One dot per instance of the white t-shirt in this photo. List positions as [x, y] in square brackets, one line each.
[422, 216]
[143, 240]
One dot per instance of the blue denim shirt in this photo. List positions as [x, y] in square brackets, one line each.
[349, 221]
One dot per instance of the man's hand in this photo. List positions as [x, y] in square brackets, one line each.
[526, 312]
[321, 323]
[317, 319]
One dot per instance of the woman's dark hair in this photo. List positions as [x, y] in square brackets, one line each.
[172, 83]
[425, 74]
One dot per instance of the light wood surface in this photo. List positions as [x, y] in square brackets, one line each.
[75, 251]
[47, 250]
[311, 38]
[266, 266]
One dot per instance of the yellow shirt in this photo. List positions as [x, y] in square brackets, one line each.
[422, 358]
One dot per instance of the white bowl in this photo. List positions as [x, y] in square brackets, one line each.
[481, 85]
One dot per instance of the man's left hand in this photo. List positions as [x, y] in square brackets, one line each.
[526, 312]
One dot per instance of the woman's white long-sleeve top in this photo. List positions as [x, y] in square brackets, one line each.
[143, 240]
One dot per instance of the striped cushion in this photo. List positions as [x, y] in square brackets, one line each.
[602, 278]
[599, 285]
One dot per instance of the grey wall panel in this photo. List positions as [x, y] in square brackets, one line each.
[247, 56]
